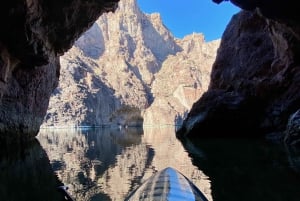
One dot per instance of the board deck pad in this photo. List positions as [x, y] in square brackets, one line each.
[167, 185]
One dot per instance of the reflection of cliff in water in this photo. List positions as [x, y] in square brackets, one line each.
[26, 174]
[241, 169]
[158, 149]
[80, 157]
[104, 164]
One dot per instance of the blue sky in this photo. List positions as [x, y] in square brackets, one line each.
[183, 17]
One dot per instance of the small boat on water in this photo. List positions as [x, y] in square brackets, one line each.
[167, 185]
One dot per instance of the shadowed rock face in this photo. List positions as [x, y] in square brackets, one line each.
[34, 34]
[255, 78]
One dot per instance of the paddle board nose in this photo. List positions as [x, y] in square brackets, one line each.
[167, 185]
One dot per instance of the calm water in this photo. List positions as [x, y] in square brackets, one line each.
[106, 164]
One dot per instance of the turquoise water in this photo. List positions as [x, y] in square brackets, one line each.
[107, 164]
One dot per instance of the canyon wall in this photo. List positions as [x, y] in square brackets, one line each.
[129, 70]
[254, 80]
[183, 78]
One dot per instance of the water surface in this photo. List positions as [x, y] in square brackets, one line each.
[248, 169]
[107, 164]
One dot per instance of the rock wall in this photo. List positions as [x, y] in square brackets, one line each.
[34, 34]
[129, 70]
[255, 78]
[256, 83]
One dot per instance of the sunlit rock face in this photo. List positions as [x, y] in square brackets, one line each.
[255, 78]
[183, 78]
[34, 33]
[128, 69]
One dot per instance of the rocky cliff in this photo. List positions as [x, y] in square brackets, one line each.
[255, 78]
[34, 34]
[183, 78]
[129, 70]
[256, 82]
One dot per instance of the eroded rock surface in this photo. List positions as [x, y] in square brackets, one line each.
[257, 66]
[182, 79]
[34, 34]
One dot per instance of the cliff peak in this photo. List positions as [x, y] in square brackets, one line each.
[124, 64]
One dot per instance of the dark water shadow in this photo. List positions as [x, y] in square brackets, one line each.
[26, 174]
[245, 169]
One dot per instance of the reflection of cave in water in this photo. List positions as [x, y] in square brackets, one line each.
[26, 174]
[107, 164]
[241, 169]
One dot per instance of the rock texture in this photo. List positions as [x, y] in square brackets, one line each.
[34, 34]
[255, 78]
[182, 79]
[293, 129]
[129, 70]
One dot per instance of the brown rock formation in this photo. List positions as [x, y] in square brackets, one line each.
[255, 78]
[35, 34]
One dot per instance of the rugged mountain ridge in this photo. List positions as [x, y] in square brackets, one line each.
[128, 69]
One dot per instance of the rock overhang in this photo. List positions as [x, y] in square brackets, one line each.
[33, 36]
